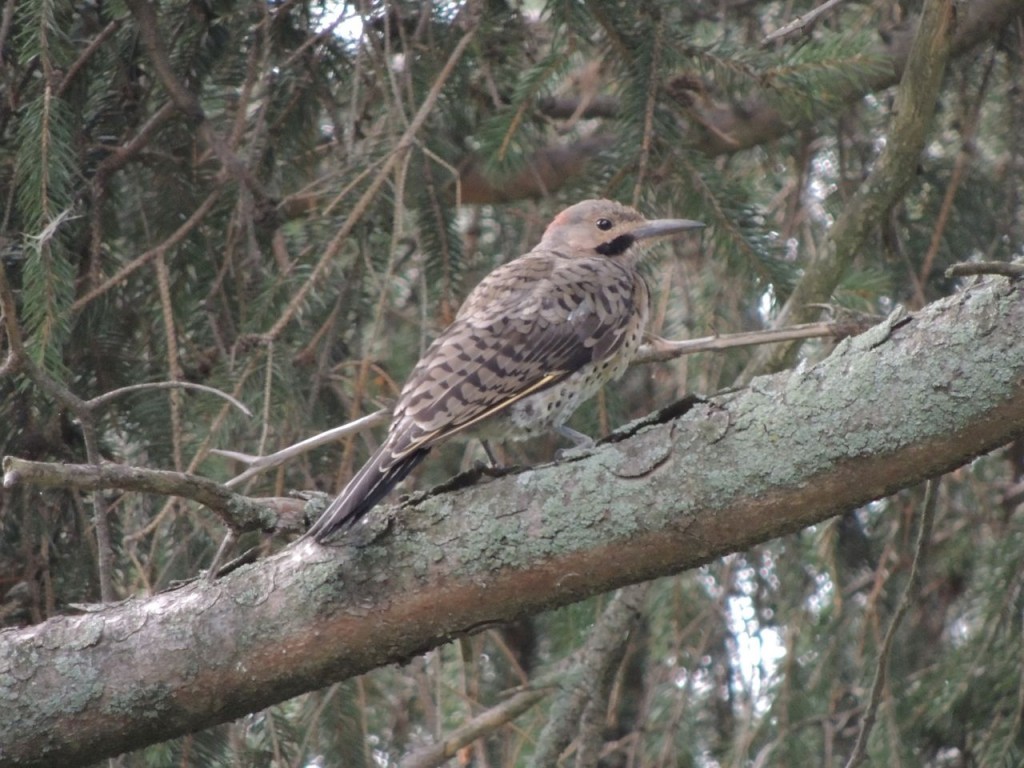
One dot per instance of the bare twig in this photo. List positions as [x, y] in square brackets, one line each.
[960, 165]
[652, 100]
[260, 464]
[658, 350]
[176, 237]
[478, 727]
[9, 316]
[240, 513]
[87, 54]
[924, 533]
[106, 397]
[798, 24]
[1013, 270]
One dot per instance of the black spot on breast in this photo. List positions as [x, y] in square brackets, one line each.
[616, 247]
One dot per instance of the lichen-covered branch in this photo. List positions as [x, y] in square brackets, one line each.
[239, 513]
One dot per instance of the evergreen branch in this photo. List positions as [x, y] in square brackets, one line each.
[186, 101]
[524, 104]
[623, 51]
[649, 105]
[878, 685]
[400, 149]
[172, 240]
[19, 359]
[598, 658]
[724, 129]
[889, 179]
[504, 140]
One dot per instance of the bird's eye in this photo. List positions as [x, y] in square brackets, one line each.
[604, 224]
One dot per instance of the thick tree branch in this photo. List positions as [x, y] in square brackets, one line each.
[909, 399]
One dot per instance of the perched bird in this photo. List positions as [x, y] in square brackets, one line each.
[536, 338]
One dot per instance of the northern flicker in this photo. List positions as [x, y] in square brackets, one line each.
[537, 337]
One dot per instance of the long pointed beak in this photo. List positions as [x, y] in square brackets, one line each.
[664, 228]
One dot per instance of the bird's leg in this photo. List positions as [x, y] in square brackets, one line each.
[490, 453]
[582, 442]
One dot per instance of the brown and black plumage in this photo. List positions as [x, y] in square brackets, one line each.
[536, 338]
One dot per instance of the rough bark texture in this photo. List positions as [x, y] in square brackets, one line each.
[910, 398]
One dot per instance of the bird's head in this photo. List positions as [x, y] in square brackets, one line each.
[607, 228]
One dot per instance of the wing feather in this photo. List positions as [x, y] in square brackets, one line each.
[528, 326]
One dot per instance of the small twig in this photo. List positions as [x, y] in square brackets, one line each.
[173, 239]
[87, 54]
[9, 315]
[658, 350]
[226, 545]
[478, 727]
[800, 22]
[1014, 495]
[258, 464]
[1011, 269]
[924, 534]
[963, 158]
[120, 156]
[106, 397]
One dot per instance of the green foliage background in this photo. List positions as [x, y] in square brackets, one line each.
[140, 252]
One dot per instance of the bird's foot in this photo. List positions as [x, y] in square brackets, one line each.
[583, 444]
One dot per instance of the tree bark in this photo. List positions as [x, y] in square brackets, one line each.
[911, 398]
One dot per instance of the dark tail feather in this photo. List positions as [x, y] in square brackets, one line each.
[367, 487]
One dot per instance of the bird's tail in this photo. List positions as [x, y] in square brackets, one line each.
[367, 487]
